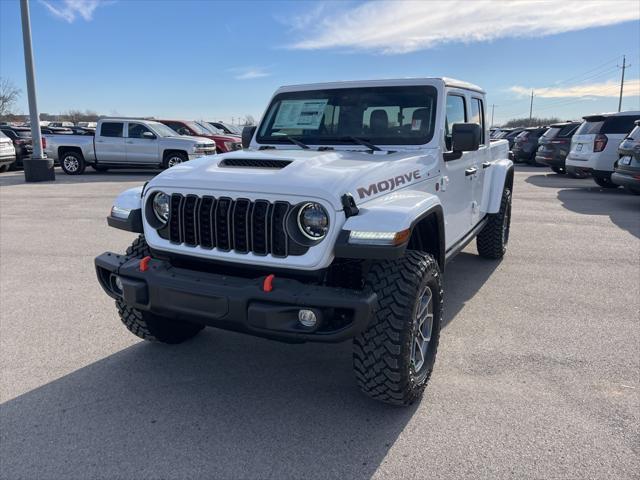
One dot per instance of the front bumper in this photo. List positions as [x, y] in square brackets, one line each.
[204, 153]
[236, 303]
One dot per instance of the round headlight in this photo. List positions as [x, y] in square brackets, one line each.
[313, 221]
[161, 206]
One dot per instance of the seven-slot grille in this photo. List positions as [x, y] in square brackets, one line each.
[228, 224]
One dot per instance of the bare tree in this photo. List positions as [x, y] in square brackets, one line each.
[249, 120]
[9, 93]
[74, 116]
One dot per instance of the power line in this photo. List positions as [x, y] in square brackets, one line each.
[624, 67]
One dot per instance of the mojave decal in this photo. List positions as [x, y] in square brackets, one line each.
[389, 184]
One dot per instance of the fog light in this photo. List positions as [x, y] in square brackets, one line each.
[116, 283]
[307, 318]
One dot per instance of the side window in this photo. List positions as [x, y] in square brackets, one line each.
[176, 126]
[619, 124]
[112, 129]
[137, 129]
[456, 113]
[477, 115]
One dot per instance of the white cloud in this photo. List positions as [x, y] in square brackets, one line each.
[602, 89]
[69, 10]
[250, 73]
[394, 27]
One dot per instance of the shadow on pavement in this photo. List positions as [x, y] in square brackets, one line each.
[585, 197]
[224, 405]
[90, 176]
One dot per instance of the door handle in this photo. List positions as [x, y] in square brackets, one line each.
[129, 142]
[470, 171]
[486, 164]
[99, 141]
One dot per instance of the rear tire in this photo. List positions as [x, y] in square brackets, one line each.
[72, 163]
[559, 170]
[576, 172]
[492, 240]
[604, 181]
[394, 357]
[4, 168]
[149, 326]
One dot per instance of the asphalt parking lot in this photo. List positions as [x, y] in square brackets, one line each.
[538, 372]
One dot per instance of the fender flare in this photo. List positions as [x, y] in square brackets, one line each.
[394, 213]
[501, 175]
[126, 212]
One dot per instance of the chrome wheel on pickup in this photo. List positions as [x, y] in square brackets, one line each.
[72, 163]
[172, 159]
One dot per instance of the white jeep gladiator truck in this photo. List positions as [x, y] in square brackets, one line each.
[125, 143]
[335, 223]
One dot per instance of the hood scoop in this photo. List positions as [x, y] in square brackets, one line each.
[254, 163]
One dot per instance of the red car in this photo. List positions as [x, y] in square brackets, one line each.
[224, 143]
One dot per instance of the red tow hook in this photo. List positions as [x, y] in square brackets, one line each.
[267, 285]
[144, 264]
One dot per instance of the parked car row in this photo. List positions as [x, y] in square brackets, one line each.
[121, 143]
[604, 146]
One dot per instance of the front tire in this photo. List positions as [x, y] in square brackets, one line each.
[72, 163]
[604, 181]
[173, 158]
[394, 357]
[493, 238]
[146, 325]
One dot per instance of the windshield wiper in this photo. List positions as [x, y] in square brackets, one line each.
[295, 141]
[358, 140]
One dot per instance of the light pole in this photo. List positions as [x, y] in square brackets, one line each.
[38, 168]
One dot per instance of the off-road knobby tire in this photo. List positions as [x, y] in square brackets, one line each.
[149, 326]
[604, 181]
[382, 353]
[492, 241]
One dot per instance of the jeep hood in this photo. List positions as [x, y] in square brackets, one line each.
[310, 174]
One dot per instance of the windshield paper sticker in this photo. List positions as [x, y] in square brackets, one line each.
[303, 114]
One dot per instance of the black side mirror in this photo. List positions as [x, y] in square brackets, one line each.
[247, 135]
[148, 135]
[465, 137]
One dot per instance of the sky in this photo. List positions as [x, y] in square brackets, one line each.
[218, 60]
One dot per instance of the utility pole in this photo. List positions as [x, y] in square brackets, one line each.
[37, 168]
[623, 67]
[493, 107]
[531, 109]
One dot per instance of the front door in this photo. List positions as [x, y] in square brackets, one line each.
[457, 177]
[109, 142]
[141, 145]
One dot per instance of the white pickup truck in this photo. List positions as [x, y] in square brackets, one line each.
[125, 142]
[335, 223]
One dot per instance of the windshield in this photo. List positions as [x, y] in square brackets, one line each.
[199, 129]
[635, 133]
[229, 128]
[162, 130]
[210, 128]
[380, 115]
[589, 128]
[552, 132]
